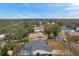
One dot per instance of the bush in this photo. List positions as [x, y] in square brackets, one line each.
[4, 51]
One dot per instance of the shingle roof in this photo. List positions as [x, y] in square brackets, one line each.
[46, 48]
[36, 45]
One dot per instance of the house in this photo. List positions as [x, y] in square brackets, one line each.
[69, 31]
[2, 36]
[77, 29]
[34, 47]
[10, 52]
[2, 40]
[36, 36]
[53, 23]
[62, 35]
[38, 28]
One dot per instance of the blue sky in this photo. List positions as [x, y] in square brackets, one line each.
[39, 10]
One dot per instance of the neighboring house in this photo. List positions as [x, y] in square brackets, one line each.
[77, 29]
[36, 36]
[10, 52]
[62, 35]
[34, 47]
[2, 36]
[2, 40]
[38, 28]
[70, 31]
[53, 23]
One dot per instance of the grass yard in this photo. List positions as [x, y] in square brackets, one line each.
[77, 33]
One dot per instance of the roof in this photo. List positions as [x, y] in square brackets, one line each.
[36, 45]
[36, 35]
[39, 27]
[46, 48]
[2, 36]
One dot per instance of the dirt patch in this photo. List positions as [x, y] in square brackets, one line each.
[56, 44]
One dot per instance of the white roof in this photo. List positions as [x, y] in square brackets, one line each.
[41, 52]
[3, 35]
[36, 35]
[10, 52]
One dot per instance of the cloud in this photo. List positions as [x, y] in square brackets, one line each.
[25, 4]
[75, 4]
[71, 11]
[4, 16]
[72, 8]
[19, 16]
[58, 4]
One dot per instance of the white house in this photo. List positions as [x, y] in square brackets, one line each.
[77, 29]
[2, 36]
[2, 41]
[53, 23]
[68, 30]
[10, 52]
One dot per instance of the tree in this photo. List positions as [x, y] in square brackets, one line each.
[59, 22]
[56, 30]
[4, 51]
[52, 29]
[48, 28]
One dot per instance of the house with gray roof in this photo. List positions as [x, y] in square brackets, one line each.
[34, 47]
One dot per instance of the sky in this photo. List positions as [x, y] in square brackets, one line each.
[38, 10]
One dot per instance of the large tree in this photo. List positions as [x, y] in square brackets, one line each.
[52, 29]
[59, 22]
[48, 28]
[56, 30]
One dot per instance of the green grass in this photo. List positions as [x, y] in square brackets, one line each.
[77, 33]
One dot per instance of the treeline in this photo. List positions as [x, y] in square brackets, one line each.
[67, 22]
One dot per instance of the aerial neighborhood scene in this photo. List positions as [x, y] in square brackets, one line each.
[39, 29]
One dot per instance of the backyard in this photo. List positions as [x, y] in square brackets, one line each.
[58, 48]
